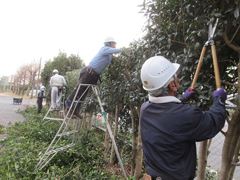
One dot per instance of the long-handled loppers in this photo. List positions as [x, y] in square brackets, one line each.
[214, 55]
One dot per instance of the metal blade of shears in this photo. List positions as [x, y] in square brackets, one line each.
[211, 30]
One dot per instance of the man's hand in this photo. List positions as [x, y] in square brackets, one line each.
[220, 95]
[188, 95]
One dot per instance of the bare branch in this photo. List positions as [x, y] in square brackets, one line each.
[235, 48]
[235, 34]
[225, 82]
[179, 42]
[224, 133]
[228, 83]
[235, 164]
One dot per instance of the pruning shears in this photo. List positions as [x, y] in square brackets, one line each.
[210, 42]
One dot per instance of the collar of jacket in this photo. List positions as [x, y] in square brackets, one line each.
[163, 99]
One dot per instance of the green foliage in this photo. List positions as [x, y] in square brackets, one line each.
[179, 29]
[63, 64]
[72, 79]
[211, 175]
[27, 142]
[2, 128]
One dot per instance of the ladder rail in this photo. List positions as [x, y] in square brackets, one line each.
[50, 110]
[51, 152]
[62, 130]
[96, 90]
[41, 164]
[50, 146]
[75, 96]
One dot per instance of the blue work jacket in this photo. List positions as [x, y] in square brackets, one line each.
[169, 131]
[103, 58]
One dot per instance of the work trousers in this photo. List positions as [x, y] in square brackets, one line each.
[39, 102]
[56, 96]
[87, 76]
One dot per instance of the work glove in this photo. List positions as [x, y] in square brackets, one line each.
[188, 95]
[220, 96]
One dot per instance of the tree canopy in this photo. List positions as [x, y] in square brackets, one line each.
[63, 64]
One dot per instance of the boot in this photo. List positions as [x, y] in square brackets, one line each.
[77, 113]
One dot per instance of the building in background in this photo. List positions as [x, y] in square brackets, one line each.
[6, 83]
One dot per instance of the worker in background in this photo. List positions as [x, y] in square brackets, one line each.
[57, 83]
[170, 128]
[91, 73]
[40, 98]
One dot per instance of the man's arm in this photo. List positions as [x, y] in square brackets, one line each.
[64, 81]
[50, 82]
[212, 121]
[110, 50]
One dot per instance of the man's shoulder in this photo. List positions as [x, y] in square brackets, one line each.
[58, 75]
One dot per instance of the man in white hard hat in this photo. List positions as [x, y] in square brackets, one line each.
[170, 128]
[40, 98]
[91, 73]
[57, 83]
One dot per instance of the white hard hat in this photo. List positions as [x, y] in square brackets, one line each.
[55, 71]
[42, 88]
[109, 39]
[156, 72]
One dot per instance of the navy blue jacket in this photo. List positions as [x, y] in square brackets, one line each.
[169, 131]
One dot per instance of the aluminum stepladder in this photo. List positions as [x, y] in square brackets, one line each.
[61, 111]
[71, 127]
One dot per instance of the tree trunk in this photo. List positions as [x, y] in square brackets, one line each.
[202, 160]
[235, 160]
[231, 139]
[18, 89]
[233, 132]
[32, 92]
[226, 160]
[84, 121]
[139, 155]
[90, 120]
[229, 146]
[133, 164]
[107, 137]
[113, 158]
[124, 138]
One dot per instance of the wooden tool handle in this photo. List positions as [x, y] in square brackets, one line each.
[216, 69]
[198, 68]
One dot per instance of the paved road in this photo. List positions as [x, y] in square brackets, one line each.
[215, 157]
[8, 114]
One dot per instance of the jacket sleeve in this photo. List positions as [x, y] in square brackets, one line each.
[207, 124]
[50, 82]
[111, 51]
[64, 81]
[41, 95]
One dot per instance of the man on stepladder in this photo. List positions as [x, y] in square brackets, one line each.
[57, 82]
[170, 128]
[91, 73]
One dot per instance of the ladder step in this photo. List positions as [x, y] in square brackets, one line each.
[67, 133]
[56, 119]
[76, 101]
[59, 149]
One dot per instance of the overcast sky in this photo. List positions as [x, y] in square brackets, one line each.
[38, 29]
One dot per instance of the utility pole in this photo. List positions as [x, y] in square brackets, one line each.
[38, 86]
